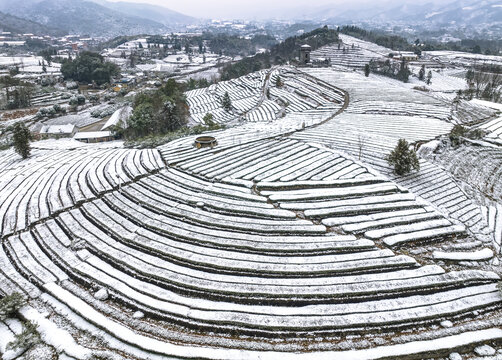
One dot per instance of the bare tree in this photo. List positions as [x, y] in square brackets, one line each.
[361, 142]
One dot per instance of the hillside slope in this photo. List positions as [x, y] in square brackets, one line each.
[82, 17]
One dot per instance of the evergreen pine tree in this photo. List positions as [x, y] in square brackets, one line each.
[421, 73]
[226, 102]
[22, 137]
[429, 78]
[367, 70]
[10, 304]
[278, 82]
[403, 159]
[27, 338]
[404, 72]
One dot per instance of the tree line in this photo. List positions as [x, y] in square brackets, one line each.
[89, 67]
[286, 51]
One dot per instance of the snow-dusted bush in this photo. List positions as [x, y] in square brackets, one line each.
[77, 100]
[51, 111]
[96, 113]
[94, 98]
[10, 304]
[29, 337]
[71, 85]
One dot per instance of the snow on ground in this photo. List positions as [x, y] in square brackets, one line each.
[190, 237]
[69, 144]
[480, 255]
[490, 104]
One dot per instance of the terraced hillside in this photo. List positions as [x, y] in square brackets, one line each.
[351, 53]
[374, 121]
[226, 262]
[258, 98]
[51, 181]
[275, 243]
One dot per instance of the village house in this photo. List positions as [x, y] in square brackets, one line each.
[57, 131]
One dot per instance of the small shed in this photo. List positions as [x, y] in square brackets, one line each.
[406, 56]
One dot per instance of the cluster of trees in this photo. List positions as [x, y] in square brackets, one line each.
[89, 67]
[17, 94]
[48, 54]
[157, 113]
[393, 42]
[395, 70]
[459, 133]
[233, 45]
[193, 84]
[484, 84]
[423, 77]
[280, 53]
[115, 42]
[478, 46]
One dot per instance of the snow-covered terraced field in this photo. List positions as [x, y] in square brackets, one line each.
[204, 256]
[49, 99]
[275, 243]
[367, 96]
[469, 113]
[256, 97]
[493, 212]
[53, 180]
[480, 166]
[372, 137]
[463, 58]
[494, 129]
[375, 120]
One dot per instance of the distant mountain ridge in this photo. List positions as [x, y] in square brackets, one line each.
[460, 12]
[156, 13]
[18, 25]
[90, 18]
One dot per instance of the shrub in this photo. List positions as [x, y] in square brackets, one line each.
[456, 135]
[10, 304]
[96, 113]
[94, 98]
[403, 159]
[27, 338]
[208, 119]
[72, 85]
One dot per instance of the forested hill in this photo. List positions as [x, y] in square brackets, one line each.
[281, 53]
[17, 25]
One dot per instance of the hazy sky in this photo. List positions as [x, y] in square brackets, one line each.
[250, 8]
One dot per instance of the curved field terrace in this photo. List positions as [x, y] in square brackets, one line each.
[288, 239]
